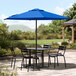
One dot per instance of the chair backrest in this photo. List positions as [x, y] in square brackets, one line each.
[62, 49]
[46, 46]
[12, 50]
[24, 52]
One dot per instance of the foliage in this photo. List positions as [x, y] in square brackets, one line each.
[3, 30]
[29, 35]
[69, 46]
[17, 51]
[14, 36]
[71, 12]
[73, 45]
[18, 32]
[64, 43]
[4, 42]
[56, 26]
[41, 29]
[54, 36]
[6, 71]
[2, 52]
[18, 44]
[55, 45]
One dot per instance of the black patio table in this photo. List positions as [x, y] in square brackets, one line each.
[39, 49]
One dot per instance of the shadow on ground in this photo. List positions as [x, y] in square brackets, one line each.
[60, 67]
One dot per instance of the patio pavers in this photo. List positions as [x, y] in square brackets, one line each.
[60, 70]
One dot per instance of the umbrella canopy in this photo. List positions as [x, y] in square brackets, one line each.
[36, 14]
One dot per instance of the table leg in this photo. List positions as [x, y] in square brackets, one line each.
[42, 58]
[30, 58]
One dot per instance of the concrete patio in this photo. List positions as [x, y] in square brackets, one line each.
[60, 70]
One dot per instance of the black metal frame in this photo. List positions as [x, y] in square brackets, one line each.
[29, 57]
[61, 48]
[13, 57]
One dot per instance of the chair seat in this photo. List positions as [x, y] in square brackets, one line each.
[35, 57]
[60, 54]
[53, 55]
[27, 56]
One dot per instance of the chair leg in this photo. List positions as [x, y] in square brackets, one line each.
[54, 62]
[64, 61]
[33, 64]
[49, 61]
[57, 61]
[26, 62]
[14, 63]
[39, 64]
[27, 66]
[11, 61]
[22, 63]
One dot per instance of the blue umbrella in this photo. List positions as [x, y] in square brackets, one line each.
[36, 14]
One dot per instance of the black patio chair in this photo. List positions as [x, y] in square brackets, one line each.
[46, 46]
[13, 59]
[36, 62]
[47, 53]
[26, 55]
[60, 52]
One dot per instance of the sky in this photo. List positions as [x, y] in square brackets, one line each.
[11, 7]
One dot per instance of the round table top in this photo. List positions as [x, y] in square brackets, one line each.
[32, 48]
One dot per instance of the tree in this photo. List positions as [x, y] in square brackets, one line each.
[56, 26]
[43, 29]
[71, 12]
[3, 29]
[16, 32]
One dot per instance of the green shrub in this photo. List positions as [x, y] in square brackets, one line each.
[58, 36]
[64, 43]
[3, 52]
[55, 45]
[4, 43]
[19, 44]
[68, 46]
[51, 36]
[14, 36]
[17, 51]
[73, 45]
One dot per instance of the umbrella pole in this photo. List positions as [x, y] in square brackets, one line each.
[36, 42]
[36, 37]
